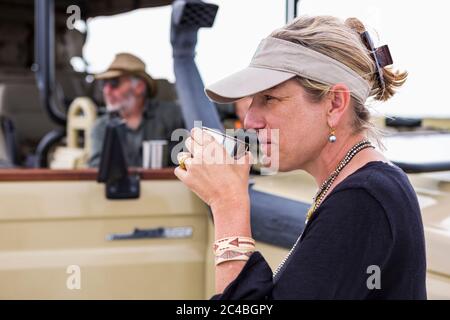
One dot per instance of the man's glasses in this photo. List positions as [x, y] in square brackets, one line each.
[114, 83]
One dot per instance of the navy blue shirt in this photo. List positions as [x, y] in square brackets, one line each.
[368, 228]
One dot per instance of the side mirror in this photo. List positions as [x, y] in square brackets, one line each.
[113, 169]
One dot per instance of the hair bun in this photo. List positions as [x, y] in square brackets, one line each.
[355, 24]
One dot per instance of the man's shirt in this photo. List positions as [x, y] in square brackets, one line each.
[160, 119]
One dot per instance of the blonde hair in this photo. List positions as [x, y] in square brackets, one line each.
[342, 41]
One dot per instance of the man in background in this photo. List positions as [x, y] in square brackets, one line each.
[129, 92]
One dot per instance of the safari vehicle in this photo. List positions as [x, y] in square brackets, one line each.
[62, 236]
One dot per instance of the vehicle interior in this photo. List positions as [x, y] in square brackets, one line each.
[140, 233]
[27, 128]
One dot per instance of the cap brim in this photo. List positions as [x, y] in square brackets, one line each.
[246, 82]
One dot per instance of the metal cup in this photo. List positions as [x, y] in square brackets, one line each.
[154, 154]
[234, 146]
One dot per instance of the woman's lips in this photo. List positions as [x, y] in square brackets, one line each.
[262, 141]
[265, 143]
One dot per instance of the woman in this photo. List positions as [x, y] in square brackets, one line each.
[364, 235]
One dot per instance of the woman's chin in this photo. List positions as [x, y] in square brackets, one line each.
[271, 164]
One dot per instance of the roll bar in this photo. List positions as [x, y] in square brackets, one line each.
[44, 65]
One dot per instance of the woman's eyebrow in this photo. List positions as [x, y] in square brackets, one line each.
[271, 91]
[275, 91]
[276, 94]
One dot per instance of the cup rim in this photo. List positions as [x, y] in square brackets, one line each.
[225, 135]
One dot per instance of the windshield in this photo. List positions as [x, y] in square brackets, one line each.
[414, 48]
[228, 46]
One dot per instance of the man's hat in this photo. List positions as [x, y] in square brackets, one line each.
[128, 64]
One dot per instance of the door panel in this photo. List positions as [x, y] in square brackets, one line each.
[45, 227]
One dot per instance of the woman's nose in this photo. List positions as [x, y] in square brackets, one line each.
[254, 118]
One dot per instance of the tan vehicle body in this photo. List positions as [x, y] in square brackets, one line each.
[53, 219]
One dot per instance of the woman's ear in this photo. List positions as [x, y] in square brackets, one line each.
[340, 100]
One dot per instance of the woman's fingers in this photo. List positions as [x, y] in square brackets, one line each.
[180, 173]
[194, 148]
[207, 169]
[181, 158]
[190, 145]
[188, 163]
[248, 158]
[201, 137]
[211, 153]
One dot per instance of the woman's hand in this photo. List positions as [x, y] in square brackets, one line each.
[221, 182]
[216, 177]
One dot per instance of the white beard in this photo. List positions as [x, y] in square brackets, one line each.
[128, 103]
[123, 106]
[113, 107]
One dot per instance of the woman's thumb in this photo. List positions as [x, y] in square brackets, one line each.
[248, 158]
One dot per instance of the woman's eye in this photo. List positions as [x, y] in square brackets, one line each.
[268, 98]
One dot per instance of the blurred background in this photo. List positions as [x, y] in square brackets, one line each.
[414, 32]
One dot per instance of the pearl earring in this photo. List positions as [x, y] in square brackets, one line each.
[332, 137]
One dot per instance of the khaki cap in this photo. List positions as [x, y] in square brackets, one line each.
[276, 61]
[128, 64]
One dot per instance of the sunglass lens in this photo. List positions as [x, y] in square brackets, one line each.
[114, 83]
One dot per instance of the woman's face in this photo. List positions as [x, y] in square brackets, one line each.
[287, 121]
